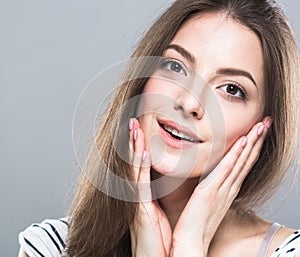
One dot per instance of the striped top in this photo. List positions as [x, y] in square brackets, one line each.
[47, 239]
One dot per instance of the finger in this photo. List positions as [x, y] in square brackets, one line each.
[251, 160]
[255, 152]
[256, 137]
[133, 125]
[140, 161]
[130, 139]
[224, 168]
[253, 136]
[138, 142]
[144, 181]
[248, 158]
[234, 160]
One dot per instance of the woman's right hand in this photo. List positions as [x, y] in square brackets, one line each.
[150, 231]
[214, 195]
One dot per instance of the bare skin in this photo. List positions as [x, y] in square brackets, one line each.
[196, 219]
[218, 231]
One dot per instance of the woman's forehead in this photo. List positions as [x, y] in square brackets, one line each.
[218, 41]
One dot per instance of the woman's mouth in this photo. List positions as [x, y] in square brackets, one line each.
[177, 136]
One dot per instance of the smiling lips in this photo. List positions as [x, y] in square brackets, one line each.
[177, 136]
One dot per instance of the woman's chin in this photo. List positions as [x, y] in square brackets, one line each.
[176, 170]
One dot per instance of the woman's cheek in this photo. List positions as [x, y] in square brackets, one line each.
[156, 86]
[238, 127]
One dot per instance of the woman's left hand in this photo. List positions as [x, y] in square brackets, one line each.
[150, 231]
[214, 195]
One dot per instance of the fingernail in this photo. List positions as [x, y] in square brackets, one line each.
[260, 130]
[130, 124]
[144, 155]
[244, 142]
[269, 123]
[134, 135]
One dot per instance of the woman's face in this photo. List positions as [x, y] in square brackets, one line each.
[207, 93]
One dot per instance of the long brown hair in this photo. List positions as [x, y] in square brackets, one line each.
[99, 224]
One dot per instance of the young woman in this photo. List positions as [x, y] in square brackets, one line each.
[211, 136]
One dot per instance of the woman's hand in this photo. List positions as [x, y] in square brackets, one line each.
[214, 195]
[150, 232]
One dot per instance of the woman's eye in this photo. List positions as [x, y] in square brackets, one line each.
[174, 66]
[233, 90]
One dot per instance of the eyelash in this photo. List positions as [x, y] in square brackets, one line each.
[168, 62]
[242, 91]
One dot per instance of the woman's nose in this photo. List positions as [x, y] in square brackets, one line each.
[190, 105]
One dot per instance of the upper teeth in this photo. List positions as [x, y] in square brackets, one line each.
[179, 134]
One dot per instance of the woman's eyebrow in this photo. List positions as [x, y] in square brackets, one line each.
[223, 71]
[183, 52]
[236, 72]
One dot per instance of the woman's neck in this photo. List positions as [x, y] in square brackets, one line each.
[173, 194]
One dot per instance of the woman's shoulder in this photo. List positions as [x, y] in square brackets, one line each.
[265, 238]
[276, 240]
[47, 238]
[286, 243]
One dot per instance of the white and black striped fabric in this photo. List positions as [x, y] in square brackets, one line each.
[48, 239]
[290, 247]
[45, 239]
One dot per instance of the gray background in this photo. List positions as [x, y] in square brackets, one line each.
[49, 51]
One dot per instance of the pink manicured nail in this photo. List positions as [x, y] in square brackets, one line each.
[130, 124]
[134, 135]
[244, 142]
[269, 123]
[260, 130]
[144, 155]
